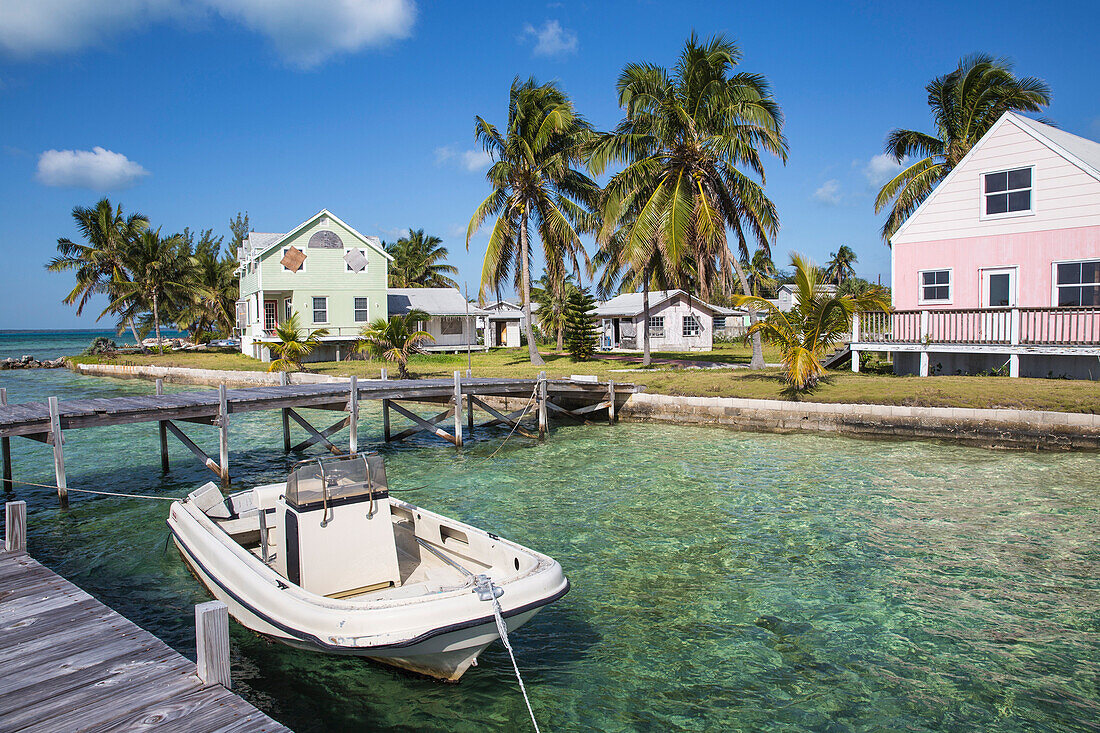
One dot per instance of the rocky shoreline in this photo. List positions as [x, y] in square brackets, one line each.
[29, 362]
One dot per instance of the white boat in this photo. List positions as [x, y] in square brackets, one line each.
[330, 561]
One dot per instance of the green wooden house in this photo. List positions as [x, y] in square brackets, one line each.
[332, 276]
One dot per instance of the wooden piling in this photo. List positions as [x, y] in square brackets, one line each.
[212, 644]
[470, 414]
[544, 420]
[384, 374]
[386, 419]
[5, 447]
[163, 430]
[283, 381]
[458, 409]
[610, 402]
[15, 526]
[223, 434]
[58, 453]
[353, 410]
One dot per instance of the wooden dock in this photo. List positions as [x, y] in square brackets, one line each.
[71, 663]
[48, 421]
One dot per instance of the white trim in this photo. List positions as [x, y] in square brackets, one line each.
[353, 308]
[287, 269]
[950, 286]
[982, 216]
[325, 212]
[1054, 277]
[996, 270]
[347, 267]
[313, 310]
[1053, 145]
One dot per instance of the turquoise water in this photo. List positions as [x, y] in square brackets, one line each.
[721, 580]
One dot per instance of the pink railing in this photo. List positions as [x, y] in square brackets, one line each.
[1031, 326]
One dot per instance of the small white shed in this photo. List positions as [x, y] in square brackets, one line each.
[678, 321]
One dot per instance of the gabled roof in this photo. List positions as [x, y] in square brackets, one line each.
[434, 301]
[630, 304]
[825, 287]
[1080, 151]
[262, 243]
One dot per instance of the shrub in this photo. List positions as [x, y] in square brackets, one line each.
[101, 346]
[581, 335]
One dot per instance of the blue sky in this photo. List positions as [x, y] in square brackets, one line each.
[190, 110]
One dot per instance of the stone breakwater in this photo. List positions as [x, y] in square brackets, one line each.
[29, 362]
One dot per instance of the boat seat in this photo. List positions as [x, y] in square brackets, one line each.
[209, 499]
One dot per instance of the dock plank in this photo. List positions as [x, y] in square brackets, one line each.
[70, 663]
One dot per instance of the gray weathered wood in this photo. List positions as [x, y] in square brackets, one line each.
[470, 414]
[321, 436]
[428, 425]
[58, 441]
[458, 409]
[610, 402]
[386, 420]
[212, 643]
[353, 424]
[283, 382]
[544, 419]
[384, 374]
[163, 433]
[223, 434]
[499, 417]
[5, 447]
[199, 452]
[15, 527]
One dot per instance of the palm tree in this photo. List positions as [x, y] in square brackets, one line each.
[761, 273]
[552, 297]
[535, 181]
[419, 261]
[965, 103]
[98, 261]
[395, 339]
[155, 277]
[294, 345]
[816, 324]
[681, 143]
[840, 266]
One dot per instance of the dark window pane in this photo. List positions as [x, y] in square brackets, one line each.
[1068, 273]
[998, 290]
[928, 278]
[1019, 178]
[1090, 272]
[1019, 201]
[1090, 295]
[997, 204]
[1069, 296]
[943, 277]
[940, 292]
[996, 182]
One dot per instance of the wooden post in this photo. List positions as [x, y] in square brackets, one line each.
[386, 420]
[1014, 339]
[163, 430]
[470, 413]
[854, 340]
[925, 317]
[458, 409]
[544, 421]
[610, 402]
[223, 434]
[212, 644]
[15, 526]
[5, 447]
[286, 416]
[58, 454]
[353, 426]
[383, 374]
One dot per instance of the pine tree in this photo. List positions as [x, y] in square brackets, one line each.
[581, 335]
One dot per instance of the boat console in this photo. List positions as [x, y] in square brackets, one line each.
[337, 537]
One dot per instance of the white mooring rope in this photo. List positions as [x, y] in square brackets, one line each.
[503, 629]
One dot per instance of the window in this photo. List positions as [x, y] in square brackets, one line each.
[450, 326]
[935, 286]
[692, 327]
[657, 327]
[719, 323]
[320, 310]
[1078, 283]
[1007, 192]
[288, 308]
[271, 309]
[301, 267]
[355, 262]
[361, 309]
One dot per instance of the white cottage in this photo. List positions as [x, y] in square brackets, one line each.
[452, 322]
[678, 321]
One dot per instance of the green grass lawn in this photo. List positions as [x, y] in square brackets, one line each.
[840, 386]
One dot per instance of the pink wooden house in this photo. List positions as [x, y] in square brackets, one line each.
[1000, 266]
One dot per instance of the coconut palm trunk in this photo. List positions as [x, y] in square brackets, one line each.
[524, 253]
[645, 320]
[757, 361]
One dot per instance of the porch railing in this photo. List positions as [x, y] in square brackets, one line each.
[1009, 326]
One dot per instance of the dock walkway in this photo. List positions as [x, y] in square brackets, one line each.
[71, 663]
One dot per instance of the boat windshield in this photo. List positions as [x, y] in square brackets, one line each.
[315, 482]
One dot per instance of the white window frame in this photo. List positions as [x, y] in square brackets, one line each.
[347, 267]
[447, 319]
[656, 327]
[698, 326]
[1054, 279]
[921, 300]
[288, 308]
[287, 269]
[355, 309]
[313, 302]
[982, 216]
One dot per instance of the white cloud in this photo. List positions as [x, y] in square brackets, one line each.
[828, 193]
[472, 160]
[304, 33]
[880, 169]
[98, 169]
[551, 39]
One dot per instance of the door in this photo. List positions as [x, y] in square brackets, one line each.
[500, 337]
[271, 317]
[998, 296]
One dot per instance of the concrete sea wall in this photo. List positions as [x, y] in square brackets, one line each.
[207, 377]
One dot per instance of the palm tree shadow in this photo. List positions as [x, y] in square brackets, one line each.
[792, 393]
